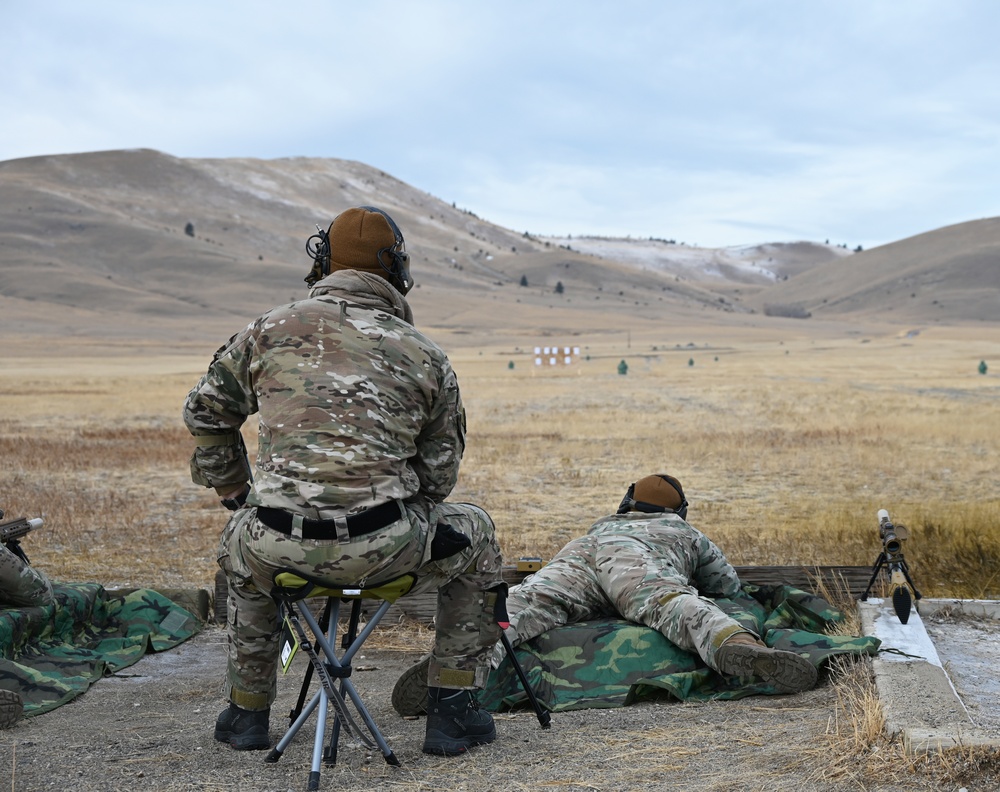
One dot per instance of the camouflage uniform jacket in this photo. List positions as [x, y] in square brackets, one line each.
[685, 553]
[356, 407]
[651, 569]
[20, 584]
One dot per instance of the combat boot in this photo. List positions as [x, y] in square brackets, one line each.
[409, 696]
[455, 723]
[744, 656]
[244, 730]
[11, 708]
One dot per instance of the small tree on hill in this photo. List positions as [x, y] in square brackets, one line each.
[524, 280]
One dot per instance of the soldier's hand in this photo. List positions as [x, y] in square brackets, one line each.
[236, 498]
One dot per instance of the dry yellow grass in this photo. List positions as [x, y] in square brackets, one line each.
[862, 754]
[787, 450]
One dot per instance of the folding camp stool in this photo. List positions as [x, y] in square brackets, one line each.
[291, 591]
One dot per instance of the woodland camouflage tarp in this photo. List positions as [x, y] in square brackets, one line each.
[52, 654]
[612, 663]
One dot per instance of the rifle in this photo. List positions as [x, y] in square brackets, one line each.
[891, 559]
[12, 530]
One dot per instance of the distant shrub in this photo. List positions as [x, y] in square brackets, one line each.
[787, 311]
[189, 229]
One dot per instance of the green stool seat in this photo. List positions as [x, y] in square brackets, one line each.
[390, 592]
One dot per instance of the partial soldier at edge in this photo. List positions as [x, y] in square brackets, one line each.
[21, 586]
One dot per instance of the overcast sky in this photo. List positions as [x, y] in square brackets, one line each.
[716, 122]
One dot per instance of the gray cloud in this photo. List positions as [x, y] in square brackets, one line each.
[715, 123]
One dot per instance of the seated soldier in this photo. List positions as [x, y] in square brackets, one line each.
[645, 564]
[360, 436]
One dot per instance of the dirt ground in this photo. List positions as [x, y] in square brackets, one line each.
[150, 728]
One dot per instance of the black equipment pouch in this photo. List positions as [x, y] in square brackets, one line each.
[448, 541]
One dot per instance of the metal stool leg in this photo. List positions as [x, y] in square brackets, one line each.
[346, 685]
[317, 756]
[329, 667]
[303, 716]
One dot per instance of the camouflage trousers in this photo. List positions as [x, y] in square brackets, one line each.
[601, 576]
[20, 584]
[467, 585]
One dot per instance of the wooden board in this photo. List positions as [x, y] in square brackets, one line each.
[833, 581]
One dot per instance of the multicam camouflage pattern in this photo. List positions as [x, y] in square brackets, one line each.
[51, 654]
[466, 583]
[21, 584]
[651, 569]
[608, 663]
[356, 408]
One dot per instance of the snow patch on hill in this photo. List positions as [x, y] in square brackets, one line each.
[763, 264]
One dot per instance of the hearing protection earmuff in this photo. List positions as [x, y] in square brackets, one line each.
[397, 268]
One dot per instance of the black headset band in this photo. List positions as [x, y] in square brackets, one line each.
[392, 223]
[398, 269]
[629, 503]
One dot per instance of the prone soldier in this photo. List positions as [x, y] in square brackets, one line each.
[648, 565]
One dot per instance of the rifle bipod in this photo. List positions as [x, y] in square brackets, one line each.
[503, 621]
[891, 559]
[900, 584]
[543, 714]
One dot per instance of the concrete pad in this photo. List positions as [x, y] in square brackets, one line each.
[918, 691]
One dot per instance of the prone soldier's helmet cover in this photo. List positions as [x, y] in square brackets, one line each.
[653, 494]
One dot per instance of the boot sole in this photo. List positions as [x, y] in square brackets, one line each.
[787, 672]
[440, 744]
[11, 708]
[409, 696]
[251, 740]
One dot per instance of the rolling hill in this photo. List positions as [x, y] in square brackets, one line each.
[140, 245]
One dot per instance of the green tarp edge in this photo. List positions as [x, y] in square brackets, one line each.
[52, 654]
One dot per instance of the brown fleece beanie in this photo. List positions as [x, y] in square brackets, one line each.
[356, 237]
[660, 490]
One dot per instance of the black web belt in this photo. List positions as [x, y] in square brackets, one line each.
[356, 524]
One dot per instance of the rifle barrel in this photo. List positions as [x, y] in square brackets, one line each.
[14, 529]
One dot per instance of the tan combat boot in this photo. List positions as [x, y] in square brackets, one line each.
[409, 696]
[745, 656]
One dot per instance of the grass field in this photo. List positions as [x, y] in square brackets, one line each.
[787, 449]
